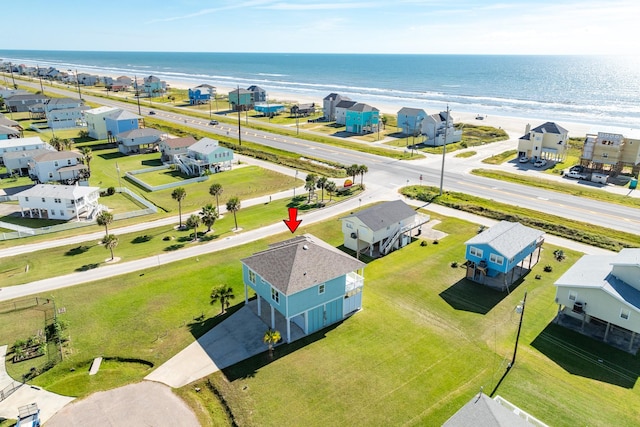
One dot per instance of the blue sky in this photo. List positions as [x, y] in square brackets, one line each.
[349, 26]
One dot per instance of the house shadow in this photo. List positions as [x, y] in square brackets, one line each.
[586, 357]
[466, 295]
[110, 156]
[152, 162]
[248, 368]
[342, 134]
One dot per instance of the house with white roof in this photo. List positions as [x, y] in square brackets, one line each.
[305, 283]
[381, 228]
[58, 166]
[22, 144]
[604, 292]
[63, 202]
[96, 123]
[205, 155]
[548, 141]
[503, 253]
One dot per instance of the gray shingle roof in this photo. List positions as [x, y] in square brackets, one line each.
[297, 264]
[56, 155]
[408, 111]
[384, 214]
[549, 127]
[138, 133]
[345, 103]
[360, 107]
[507, 238]
[24, 154]
[483, 411]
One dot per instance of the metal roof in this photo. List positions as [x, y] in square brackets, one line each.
[507, 238]
[384, 214]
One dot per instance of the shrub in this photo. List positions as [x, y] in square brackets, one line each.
[423, 243]
[454, 264]
[166, 238]
[111, 191]
[548, 268]
[435, 242]
[559, 254]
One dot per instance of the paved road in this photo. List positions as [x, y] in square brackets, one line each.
[394, 173]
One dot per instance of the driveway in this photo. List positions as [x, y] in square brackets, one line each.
[48, 403]
[142, 404]
[233, 340]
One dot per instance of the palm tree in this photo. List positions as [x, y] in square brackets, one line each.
[321, 184]
[362, 169]
[110, 242]
[103, 219]
[352, 171]
[310, 184]
[222, 293]
[57, 143]
[194, 222]
[68, 144]
[233, 205]
[331, 188]
[87, 156]
[209, 214]
[178, 195]
[271, 337]
[384, 121]
[216, 190]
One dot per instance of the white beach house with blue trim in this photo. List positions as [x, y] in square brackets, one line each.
[305, 280]
[500, 255]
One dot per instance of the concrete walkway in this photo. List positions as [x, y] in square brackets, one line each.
[142, 404]
[233, 340]
[48, 403]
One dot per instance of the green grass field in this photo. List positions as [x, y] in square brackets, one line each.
[425, 342]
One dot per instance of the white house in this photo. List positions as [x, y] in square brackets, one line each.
[170, 147]
[22, 144]
[410, 120]
[96, 124]
[329, 105]
[64, 113]
[206, 154]
[58, 166]
[604, 290]
[435, 126]
[18, 161]
[341, 110]
[59, 202]
[381, 228]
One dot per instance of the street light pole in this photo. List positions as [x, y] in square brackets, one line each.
[444, 149]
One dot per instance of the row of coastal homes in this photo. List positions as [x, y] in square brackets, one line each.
[357, 117]
[438, 129]
[246, 99]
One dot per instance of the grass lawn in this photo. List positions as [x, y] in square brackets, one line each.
[424, 343]
[498, 159]
[161, 177]
[466, 154]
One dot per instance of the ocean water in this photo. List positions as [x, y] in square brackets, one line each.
[598, 90]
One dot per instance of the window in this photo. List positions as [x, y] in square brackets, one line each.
[475, 252]
[43, 200]
[50, 174]
[252, 277]
[68, 161]
[572, 296]
[349, 225]
[275, 295]
[61, 213]
[605, 155]
[57, 201]
[496, 259]
[56, 163]
[321, 289]
[26, 199]
[624, 314]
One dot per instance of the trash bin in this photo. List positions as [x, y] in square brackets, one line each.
[633, 184]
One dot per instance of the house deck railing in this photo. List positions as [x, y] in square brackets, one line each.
[354, 281]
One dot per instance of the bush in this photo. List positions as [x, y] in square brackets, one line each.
[435, 242]
[423, 243]
[454, 264]
[111, 191]
[548, 268]
[559, 254]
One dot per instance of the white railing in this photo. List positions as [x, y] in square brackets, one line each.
[354, 281]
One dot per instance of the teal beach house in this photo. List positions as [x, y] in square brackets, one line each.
[303, 283]
[500, 255]
[362, 118]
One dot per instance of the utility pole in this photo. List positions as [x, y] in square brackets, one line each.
[40, 77]
[239, 118]
[15, 86]
[444, 149]
[135, 83]
[78, 83]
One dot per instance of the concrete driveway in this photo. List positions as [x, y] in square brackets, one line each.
[142, 404]
[48, 403]
[235, 339]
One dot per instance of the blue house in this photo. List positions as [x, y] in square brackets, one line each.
[206, 154]
[305, 281]
[497, 256]
[362, 118]
[410, 120]
[121, 121]
[201, 94]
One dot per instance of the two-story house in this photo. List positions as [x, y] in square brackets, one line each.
[22, 144]
[410, 120]
[18, 161]
[64, 113]
[136, 140]
[204, 155]
[64, 202]
[170, 147]
[341, 110]
[611, 151]
[96, 121]
[21, 103]
[503, 253]
[65, 167]
[153, 86]
[439, 130]
[362, 118]
[306, 281]
[329, 103]
[604, 292]
[258, 94]
[547, 141]
[201, 94]
[241, 99]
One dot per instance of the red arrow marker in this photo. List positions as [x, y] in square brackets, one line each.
[293, 222]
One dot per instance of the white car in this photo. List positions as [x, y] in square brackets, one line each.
[523, 160]
[575, 175]
[540, 163]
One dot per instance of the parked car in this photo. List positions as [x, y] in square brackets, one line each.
[540, 163]
[523, 160]
[575, 175]
[214, 123]
[577, 168]
[152, 113]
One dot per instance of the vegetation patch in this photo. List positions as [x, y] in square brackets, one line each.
[500, 158]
